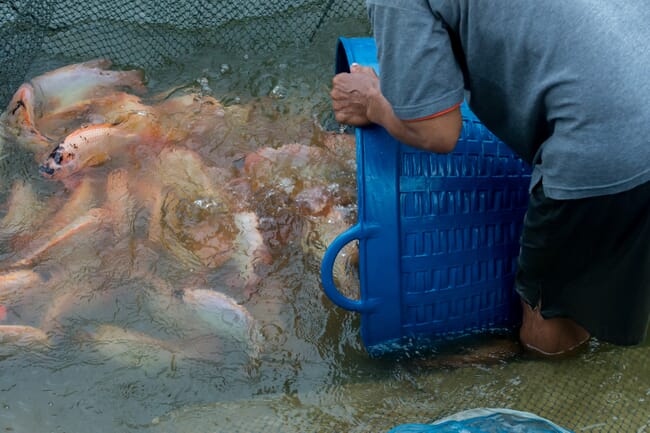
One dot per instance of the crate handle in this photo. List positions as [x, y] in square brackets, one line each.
[355, 232]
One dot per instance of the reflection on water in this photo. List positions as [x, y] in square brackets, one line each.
[176, 288]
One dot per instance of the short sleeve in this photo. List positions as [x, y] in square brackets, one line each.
[419, 74]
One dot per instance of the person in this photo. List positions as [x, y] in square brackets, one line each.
[565, 85]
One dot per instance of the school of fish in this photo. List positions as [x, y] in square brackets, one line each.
[141, 189]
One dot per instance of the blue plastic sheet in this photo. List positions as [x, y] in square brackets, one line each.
[485, 421]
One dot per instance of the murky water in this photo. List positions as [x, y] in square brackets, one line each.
[125, 352]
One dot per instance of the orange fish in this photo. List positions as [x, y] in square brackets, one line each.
[19, 121]
[92, 220]
[93, 145]
[12, 282]
[58, 94]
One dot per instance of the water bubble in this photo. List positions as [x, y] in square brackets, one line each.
[203, 82]
[225, 68]
[279, 92]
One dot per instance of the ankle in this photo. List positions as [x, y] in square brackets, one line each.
[550, 337]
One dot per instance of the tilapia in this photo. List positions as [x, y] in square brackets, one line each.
[63, 87]
[224, 316]
[14, 337]
[139, 349]
[13, 282]
[90, 146]
[120, 203]
[60, 94]
[251, 249]
[90, 221]
[113, 108]
[19, 122]
[24, 210]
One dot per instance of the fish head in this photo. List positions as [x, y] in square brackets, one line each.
[60, 163]
[19, 119]
[20, 110]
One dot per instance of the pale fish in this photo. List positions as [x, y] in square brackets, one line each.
[90, 221]
[251, 249]
[138, 349]
[224, 316]
[113, 108]
[70, 84]
[86, 147]
[58, 92]
[74, 300]
[190, 119]
[16, 281]
[24, 210]
[84, 196]
[120, 203]
[18, 122]
[17, 337]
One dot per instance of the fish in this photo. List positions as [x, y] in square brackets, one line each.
[87, 147]
[342, 145]
[250, 249]
[14, 281]
[113, 108]
[19, 122]
[66, 86]
[140, 349]
[120, 203]
[83, 197]
[25, 211]
[91, 220]
[191, 119]
[13, 337]
[61, 94]
[223, 315]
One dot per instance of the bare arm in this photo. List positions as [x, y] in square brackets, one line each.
[357, 100]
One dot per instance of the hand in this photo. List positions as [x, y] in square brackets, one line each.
[353, 95]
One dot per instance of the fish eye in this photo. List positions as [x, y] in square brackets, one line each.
[58, 157]
[19, 104]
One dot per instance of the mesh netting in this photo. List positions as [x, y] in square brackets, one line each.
[144, 33]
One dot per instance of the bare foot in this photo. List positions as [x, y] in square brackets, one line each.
[550, 337]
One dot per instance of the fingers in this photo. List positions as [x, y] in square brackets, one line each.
[357, 68]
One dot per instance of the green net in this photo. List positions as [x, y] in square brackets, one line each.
[144, 33]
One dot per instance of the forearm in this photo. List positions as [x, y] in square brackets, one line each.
[357, 100]
[438, 134]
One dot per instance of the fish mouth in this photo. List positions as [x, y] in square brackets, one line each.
[46, 170]
[53, 163]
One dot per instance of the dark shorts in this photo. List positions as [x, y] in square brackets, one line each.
[589, 260]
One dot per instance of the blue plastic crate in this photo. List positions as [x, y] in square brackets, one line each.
[438, 234]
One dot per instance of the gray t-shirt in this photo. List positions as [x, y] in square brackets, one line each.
[565, 83]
